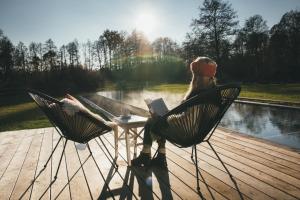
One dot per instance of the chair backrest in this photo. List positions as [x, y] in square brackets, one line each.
[195, 120]
[80, 127]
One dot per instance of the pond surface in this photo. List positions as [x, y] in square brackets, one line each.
[279, 125]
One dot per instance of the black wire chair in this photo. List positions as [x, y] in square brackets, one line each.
[195, 120]
[80, 127]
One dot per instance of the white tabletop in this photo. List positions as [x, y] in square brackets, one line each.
[131, 119]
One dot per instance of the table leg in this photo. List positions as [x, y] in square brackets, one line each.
[116, 134]
[127, 146]
[135, 141]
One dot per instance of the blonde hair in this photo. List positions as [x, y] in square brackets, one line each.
[198, 81]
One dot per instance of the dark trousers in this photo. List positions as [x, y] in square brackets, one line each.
[148, 138]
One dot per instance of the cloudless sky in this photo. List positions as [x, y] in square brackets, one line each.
[65, 20]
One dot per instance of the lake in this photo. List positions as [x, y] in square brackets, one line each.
[277, 124]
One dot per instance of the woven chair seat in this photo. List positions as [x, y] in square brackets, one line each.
[80, 127]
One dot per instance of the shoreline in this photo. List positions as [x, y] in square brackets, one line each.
[269, 102]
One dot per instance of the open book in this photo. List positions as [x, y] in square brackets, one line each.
[157, 106]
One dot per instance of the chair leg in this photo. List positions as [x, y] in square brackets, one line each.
[135, 142]
[58, 167]
[105, 183]
[230, 175]
[192, 153]
[197, 168]
[71, 178]
[84, 174]
[113, 160]
[156, 152]
[116, 135]
[40, 172]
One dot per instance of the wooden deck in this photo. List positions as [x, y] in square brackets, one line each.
[261, 170]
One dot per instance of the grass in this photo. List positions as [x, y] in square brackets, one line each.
[289, 93]
[176, 88]
[20, 112]
[278, 92]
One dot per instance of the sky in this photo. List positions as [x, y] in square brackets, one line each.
[65, 20]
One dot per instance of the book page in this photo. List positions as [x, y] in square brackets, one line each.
[157, 106]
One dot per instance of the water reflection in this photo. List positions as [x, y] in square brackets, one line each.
[137, 98]
[280, 125]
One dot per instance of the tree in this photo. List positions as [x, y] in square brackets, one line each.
[112, 39]
[20, 56]
[137, 45]
[255, 40]
[195, 44]
[217, 21]
[63, 56]
[6, 56]
[73, 51]
[49, 56]
[35, 60]
[284, 47]
[164, 46]
[99, 51]
[89, 53]
[102, 50]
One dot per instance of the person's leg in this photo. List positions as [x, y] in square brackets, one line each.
[147, 140]
[145, 155]
[160, 159]
[162, 145]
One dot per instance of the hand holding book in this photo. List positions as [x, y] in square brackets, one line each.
[157, 106]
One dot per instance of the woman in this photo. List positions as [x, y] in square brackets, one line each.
[203, 70]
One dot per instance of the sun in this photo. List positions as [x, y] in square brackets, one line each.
[146, 22]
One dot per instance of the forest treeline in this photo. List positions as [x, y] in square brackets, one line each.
[251, 52]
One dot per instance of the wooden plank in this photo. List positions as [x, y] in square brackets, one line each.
[43, 180]
[177, 186]
[5, 138]
[210, 186]
[261, 154]
[7, 134]
[277, 179]
[150, 183]
[137, 180]
[62, 178]
[113, 178]
[184, 183]
[9, 149]
[126, 178]
[260, 142]
[223, 188]
[11, 175]
[78, 188]
[93, 178]
[28, 169]
[240, 174]
[256, 177]
[214, 177]
[219, 143]
[246, 143]
[188, 177]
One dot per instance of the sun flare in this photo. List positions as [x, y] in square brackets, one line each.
[146, 22]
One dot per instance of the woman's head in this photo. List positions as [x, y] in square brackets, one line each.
[203, 66]
[204, 71]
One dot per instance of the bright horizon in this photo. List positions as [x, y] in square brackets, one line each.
[66, 20]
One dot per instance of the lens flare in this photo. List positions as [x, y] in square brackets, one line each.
[146, 22]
